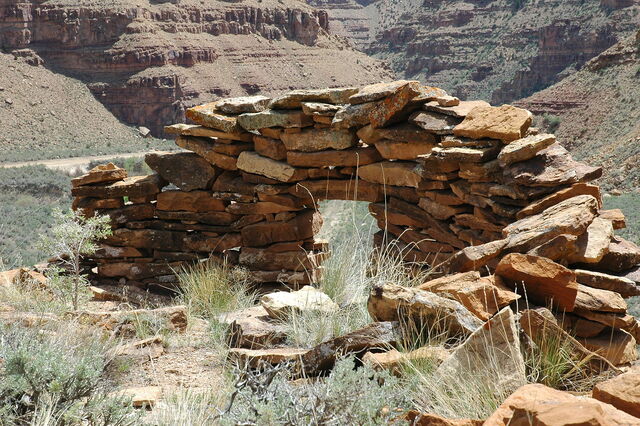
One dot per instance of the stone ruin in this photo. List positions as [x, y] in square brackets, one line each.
[461, 186]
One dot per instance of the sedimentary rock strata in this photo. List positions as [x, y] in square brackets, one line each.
[460, 188]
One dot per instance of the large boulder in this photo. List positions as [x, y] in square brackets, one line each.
[186, 170]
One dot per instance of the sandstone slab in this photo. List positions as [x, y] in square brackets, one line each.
[243, 104]
[595, 299]
[482, 296]
[135, 186]
[539, 206]
[553, 166]
[186, 170]
[438, 124]
[536, 404]
[303, 226]
[396, 150]
[542, 280]
[252, 162]
[623, 392]
[391, 108]
[622, 285]
[622, 255]
[206, 132]
[194, 201]
[253, 328]
[353, 115]
[460, 111]
[274, 118]
[375, 92]
[389, 301]
[506, 123]
[334, 189]
[295, 98]
[100, 174]
[257, 358]
[592, 246]
[524, 149]
[352, 157]
[571, 217]
[312, 140]
[399, 173]
[207, 115]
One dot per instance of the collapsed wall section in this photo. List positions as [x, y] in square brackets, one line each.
[453, 184]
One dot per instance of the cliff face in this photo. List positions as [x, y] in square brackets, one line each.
[595, 112]
[148, 60]
[497, 50]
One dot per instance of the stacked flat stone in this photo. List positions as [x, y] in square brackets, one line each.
[459, 185]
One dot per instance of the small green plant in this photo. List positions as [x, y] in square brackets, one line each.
[73, 237]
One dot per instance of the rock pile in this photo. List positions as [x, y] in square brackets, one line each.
[461, 185]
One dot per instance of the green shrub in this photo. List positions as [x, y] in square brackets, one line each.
[347, 396]
[55, 375]
[551, 122]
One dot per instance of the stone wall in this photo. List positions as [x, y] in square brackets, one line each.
[459, 185]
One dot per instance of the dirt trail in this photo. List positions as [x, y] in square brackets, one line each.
[68, 164]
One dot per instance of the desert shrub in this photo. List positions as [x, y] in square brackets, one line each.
[552, 362]
[551, 122]
[211, 289]
[54, 377]
[74, 236]
[28, 196]
[346, 396]
[187, 407]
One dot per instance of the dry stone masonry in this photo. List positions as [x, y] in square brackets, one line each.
[465, 187]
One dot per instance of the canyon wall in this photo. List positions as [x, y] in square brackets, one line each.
[496, 50]
[148, 61]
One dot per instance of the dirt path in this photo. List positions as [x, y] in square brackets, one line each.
[72, 163]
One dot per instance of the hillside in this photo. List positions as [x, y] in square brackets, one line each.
[146, 61]
[497, 50]
[595, 112]
[48, 115]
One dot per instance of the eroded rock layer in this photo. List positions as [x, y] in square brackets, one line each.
[459, 186]
[148, 61]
